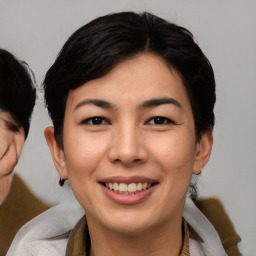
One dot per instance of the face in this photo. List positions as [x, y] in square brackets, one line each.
[12, 139]
[129, 146]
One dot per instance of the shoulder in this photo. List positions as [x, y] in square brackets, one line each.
[19, 207]
[48, 233]
[215, 212]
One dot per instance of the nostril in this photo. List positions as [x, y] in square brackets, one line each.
[127, 153]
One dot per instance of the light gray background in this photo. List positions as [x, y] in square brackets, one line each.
[35, 31]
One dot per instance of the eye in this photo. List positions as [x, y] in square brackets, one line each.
[96, 120]
[160, 120]
[12, 127]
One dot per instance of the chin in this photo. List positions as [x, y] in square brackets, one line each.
[129, 228]
[129, 223]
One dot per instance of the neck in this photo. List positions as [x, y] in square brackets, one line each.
[165, 241]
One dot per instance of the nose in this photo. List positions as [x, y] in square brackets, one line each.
[127, 146]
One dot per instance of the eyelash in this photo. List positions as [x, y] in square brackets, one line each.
[13, 127]
[91, 120]
[98, 120]
[161, 119]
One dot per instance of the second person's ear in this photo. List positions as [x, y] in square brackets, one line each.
[203, 151]
[57, 152]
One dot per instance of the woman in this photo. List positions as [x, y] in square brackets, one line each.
[15, 86]
[131, 97]
[17, 98]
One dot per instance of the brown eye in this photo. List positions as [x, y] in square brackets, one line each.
[96, 120]
[160, 120]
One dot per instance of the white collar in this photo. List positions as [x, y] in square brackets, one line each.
[47, 234]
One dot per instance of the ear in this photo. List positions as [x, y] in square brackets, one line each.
[203, 151]
[57, 152]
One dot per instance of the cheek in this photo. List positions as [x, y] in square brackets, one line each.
[175, 157]
[175, 152]
[83, 154]
[20, 140]
[3, 145]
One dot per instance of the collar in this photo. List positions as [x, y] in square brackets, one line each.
[79, 240]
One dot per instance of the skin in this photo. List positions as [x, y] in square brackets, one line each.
[12, 139]
[130, 142]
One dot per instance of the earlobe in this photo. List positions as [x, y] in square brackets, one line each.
[203, 151]
[57, 152]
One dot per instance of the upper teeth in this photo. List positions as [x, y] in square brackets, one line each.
[130, 188]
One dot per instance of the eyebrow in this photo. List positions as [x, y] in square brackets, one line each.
[96, 102]
[160, 101]
[147, 104]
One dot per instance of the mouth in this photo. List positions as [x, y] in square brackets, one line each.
[128, 188]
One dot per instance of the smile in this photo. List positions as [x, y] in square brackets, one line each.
[128, 189]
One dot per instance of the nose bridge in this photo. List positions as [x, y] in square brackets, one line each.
[127, 146]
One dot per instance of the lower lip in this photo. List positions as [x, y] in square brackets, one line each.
[128, 199]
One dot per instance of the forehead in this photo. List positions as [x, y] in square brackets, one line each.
[136, 79]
